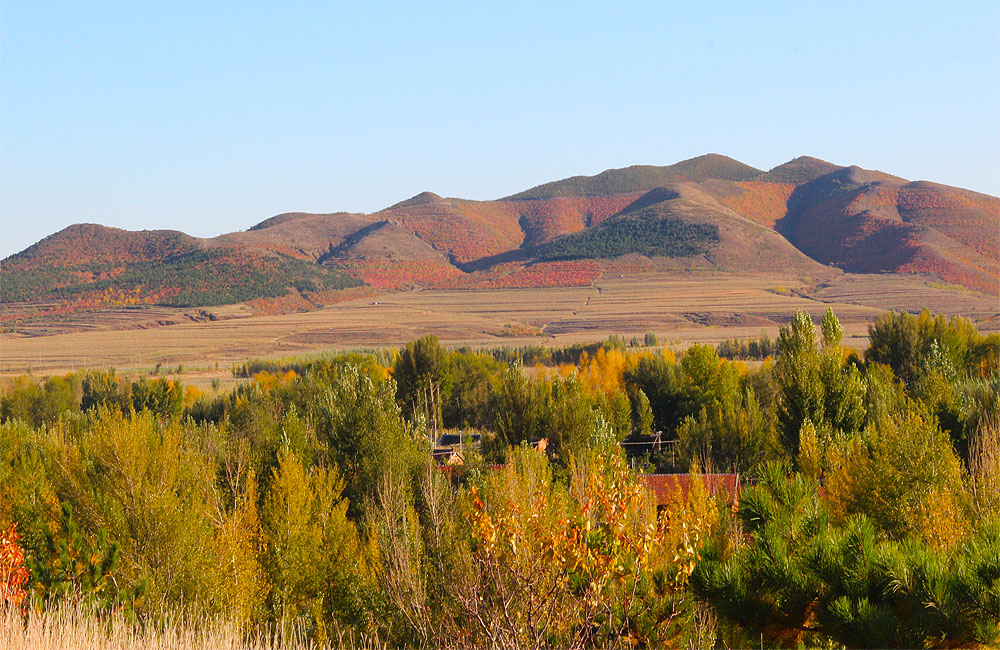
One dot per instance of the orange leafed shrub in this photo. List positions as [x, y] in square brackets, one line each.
[13, 574]
[605, 370]
[288, 304]
[191, 395]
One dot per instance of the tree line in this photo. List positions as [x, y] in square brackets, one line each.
[307, 498]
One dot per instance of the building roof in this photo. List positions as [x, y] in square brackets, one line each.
[453, 439]
[666, 486]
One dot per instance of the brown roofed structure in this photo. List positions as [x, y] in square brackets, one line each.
[665, 486]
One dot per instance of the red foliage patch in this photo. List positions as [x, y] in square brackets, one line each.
[390, 274]
[969, 219]
[108, 298]
[462, 230]
[544, 220]
[925, 261]
[87, 244]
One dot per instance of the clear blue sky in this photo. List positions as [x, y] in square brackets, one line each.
[211, 116]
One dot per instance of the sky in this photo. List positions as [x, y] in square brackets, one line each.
[209, 117]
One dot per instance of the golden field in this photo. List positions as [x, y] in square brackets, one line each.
[678, 307]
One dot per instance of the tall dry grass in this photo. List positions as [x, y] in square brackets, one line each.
[68, 627]
[984, 465]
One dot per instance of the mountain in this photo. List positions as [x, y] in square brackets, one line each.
[807, 217]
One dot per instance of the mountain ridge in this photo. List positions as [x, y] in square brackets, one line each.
[806, 216]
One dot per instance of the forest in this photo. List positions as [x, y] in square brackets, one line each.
[309, 499]
[657, 235]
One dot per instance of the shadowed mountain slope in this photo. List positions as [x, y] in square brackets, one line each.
[864, 221]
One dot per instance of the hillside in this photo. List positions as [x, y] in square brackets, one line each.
[95, 266]
[862, 221]
[807, 217]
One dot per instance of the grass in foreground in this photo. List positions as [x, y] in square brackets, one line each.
[68, 627]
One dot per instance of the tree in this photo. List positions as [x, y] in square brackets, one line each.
[313, 556]
[518, 410]
[591, 566]
[902, 472]
[364, 433]
[422, 378]
[102, 388]
[796, 579]
[145, 482]
[904, 342]
[71, 566]
[815, 384]
[163, 397]
[473, 382]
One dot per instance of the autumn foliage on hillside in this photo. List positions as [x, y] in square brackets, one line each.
[197, 277]
[925, 261]
[965, 217]
[456, 235]
[89, 245]
[850, 218]
[764, 203]
[396, 274]
[544, 220]
[887, 227]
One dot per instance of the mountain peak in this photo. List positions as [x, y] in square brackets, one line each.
[420, 199]
[800, 170]
[638, 178]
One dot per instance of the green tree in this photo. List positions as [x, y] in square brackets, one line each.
[37, 402]
[147, 484]
[518, 410]
[902, 472]
[795, 579]
[474, 378]
[68, 565]
[911, 344]
[313, 556]
[102, 388]
[163, 397]
[364, 433]
[423, 380]
[815, 384]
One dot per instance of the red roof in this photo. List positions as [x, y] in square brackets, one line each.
[666, 486]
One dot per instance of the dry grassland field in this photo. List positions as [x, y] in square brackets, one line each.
[679, 308]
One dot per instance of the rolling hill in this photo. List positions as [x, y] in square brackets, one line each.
[806, 217]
